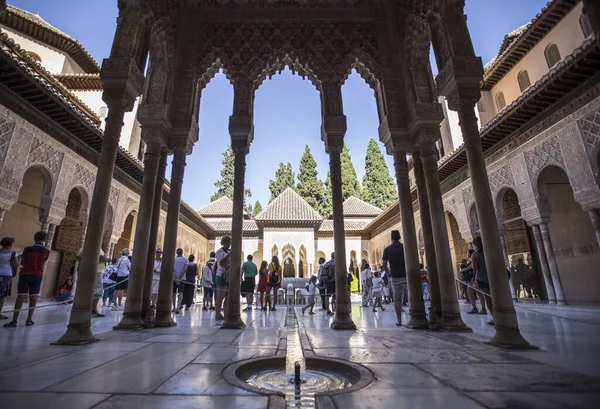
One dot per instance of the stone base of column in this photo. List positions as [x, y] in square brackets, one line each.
[233, 322]
[510, 338]
[130, 322]
[453, 323]
[76, 335]
[343, 321]
[561, 303]
[164, 320]
[417, 321]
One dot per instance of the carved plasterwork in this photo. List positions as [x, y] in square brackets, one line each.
[501, 178]
[590, 131]
[546, 153]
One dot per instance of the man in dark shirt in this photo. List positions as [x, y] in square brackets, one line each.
[33, 261]
[394, 255]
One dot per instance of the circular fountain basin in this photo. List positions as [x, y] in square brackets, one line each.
[322, 376]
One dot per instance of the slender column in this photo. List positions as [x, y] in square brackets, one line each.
[513, 292]
[343, 314]
[558, 289]
[44, 226]
[595, 216]
[233, 319]
[78, 330]
[133, 307]
[539, 245]
[505, 317]
[417, 315]
[2, 211]
[432, 266]
[451, 319]
[154, 226]
[164, 303]
[50, 236]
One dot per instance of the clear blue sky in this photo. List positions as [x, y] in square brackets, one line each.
[287, 109]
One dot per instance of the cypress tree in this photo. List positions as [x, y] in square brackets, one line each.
[225, 184]
[257, 208]
[284, 178]
[309, 186]
[378, 186]
[350, 184]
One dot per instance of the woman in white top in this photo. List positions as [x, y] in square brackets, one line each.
[123, 268]
[8, 266]
[365, 283]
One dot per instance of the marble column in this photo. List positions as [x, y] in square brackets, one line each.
[558, 289]
[343, 313]
[513, 291]
[595, 216]
[505, 317]
[417, 316]
[44, 226]
[132, 318]
[50, 236]
[539, 246]
[164, 304]
[432, 266]
[154, 227]
[451, 319]
[233, 319]
[78, 331]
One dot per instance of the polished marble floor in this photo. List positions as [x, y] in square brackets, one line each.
[181, 367]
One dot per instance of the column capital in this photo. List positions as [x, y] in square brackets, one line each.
[395, 138]
[123, 81]
[156, 114]
[333, 131]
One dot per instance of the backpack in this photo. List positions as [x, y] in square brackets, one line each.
[274, 276]
[329, 272]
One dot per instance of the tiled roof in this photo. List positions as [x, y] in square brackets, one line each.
[85, 82]
[224, 226]
[327, 226]
[34, 26]
[220, 207]
[289, 206]
[353, 206]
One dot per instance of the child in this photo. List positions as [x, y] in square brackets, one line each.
[377, 290]
[207, 283]
[312, 288]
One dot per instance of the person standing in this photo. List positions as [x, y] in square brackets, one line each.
[378, 286]
[156, 277]
[481, 277]
[222, 257]
[322, 284]
[250, 272]
[312, 289]
[108, 283]
[263, 272]
[33, 262]
[178, 276]
[122, 279]
[273, 282]
[424, 282]
[329, 274]
[207, 282]
[366, 278]
[395, 268]
[9, 264]
[189, 274]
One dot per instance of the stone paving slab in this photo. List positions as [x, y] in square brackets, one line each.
[183, 402]
[537, 400]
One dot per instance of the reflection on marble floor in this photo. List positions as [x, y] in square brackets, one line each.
[181, 367]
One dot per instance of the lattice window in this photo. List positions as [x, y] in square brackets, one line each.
[552, 55]
[500, 101]
[523, 79]
[586, 27]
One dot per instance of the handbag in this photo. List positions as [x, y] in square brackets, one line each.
[113, 276]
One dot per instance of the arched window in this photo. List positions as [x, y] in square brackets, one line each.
[552, 55]
[480, 106]
[586, 27]
[500, 101]
[523, 79]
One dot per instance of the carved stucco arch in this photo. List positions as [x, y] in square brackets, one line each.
[541, 197]
[499, 202]
[287, 58]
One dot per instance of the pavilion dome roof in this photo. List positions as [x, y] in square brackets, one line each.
[355, 207]
[289, 205]
[32, 25]
[222, 207]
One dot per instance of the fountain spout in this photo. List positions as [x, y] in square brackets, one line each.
[297, 379]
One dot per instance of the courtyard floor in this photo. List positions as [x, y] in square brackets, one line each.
[181, 367]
